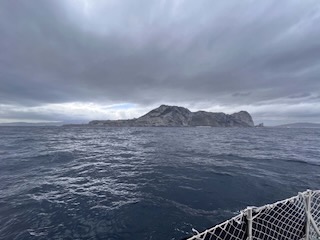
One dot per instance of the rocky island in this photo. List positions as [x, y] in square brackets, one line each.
[173, 116]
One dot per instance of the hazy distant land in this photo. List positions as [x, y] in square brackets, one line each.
[28, 124]
[299, 125]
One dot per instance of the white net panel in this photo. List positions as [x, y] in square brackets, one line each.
[283, 220]
[232, 229]
[315, 214]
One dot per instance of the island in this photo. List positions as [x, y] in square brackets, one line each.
[174, 116]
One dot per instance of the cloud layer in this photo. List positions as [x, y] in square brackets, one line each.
[215, 55]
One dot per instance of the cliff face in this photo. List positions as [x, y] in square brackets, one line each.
[172, 116]
[243, 116]
[166, 116]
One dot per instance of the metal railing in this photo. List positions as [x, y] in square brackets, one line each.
[295, 218]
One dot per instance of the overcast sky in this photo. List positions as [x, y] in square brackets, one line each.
[78, 60]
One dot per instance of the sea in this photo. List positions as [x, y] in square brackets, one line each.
[145, 183]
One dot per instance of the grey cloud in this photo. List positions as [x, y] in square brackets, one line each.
[241, 94]
[300, 95]
[149, 52]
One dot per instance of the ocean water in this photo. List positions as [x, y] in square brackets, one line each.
[145, 183]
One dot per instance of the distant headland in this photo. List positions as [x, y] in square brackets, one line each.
[299, 125]
[174, 116]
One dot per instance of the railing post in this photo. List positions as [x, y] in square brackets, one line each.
[307, 199]
[249, 219]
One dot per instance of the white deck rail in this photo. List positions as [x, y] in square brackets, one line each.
[294, 218]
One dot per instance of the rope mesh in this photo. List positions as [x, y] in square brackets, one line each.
[283, 220]
[280, 221]
[233, 229]
[315, 214]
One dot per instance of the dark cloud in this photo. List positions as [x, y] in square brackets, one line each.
[300, 95]
[233, 54]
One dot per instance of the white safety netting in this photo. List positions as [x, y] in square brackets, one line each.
[295, 218]
[315, 215]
